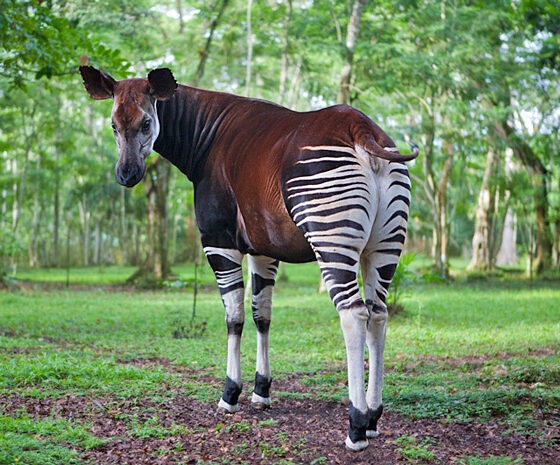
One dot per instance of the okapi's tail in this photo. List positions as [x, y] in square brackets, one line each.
[374, 141]
[390, 153]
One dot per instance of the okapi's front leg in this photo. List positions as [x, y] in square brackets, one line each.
[226, 264]
[264, 271]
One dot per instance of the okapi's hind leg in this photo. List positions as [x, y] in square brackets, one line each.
[263, 271]
[378, 263]
[343, 286]
[376, 278]
[226, 264]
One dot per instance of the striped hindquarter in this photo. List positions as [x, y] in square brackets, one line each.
[353, 210]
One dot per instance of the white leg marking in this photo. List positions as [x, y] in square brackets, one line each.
[355, 446]
[263, 302]
[223, 405]
[233, 302]
[256, 399]
[353, 322]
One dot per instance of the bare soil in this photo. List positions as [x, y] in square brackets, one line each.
[293, 430]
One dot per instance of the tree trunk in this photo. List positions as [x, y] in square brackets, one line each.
[285, 45]
[125, 240]
[556, 245]
[507, 254]
[97, 243]
[349, 48]
[156, 266]
[84, 220]
[35, 227]
[482, 239]
[181, 19]
[204, 54]
[163, 177]
[435, 188]
[249, 47]
[441, 242]
[537, 174]
[56, 221]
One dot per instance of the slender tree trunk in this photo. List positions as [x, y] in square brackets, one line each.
[164, 173]
[293, 94]
[249, 47]
[35, 224]
[435, 187]
[174, 231]
[349, 47]
[125, 241]
[56, 221]
[156, 266]
[485, 209]
[507, 254]
[441, 244]
[85, 220]
[179, 4]
[97, 244]
[556, 245]
[285, 46]
[204, 54]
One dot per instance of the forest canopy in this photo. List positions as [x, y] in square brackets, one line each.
[475, 84]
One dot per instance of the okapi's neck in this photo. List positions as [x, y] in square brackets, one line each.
[188, 123]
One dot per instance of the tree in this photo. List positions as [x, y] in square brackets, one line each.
[482, 244]
[352, 33]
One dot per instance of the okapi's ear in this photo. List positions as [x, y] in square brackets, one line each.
[162, 83]
[99, 85]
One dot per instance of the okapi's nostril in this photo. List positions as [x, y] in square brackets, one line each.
[128, 175]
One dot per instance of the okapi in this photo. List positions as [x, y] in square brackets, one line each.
[326, 185]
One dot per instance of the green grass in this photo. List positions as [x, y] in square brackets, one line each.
[493, 460]
[45, 442]
[483, 351]
[101, 275]
[413, 450]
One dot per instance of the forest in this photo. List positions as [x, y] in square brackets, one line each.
[474, 84]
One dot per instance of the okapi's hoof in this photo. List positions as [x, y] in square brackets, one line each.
[372, 433]
[355, 446]
[260, 403]
[224, 407]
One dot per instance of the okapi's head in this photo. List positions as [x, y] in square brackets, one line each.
[134, 116]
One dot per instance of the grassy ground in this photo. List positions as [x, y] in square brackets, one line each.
[484, 351]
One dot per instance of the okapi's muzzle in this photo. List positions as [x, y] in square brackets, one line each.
[130, 174]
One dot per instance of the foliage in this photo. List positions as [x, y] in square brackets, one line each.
[492, 460]
[403, 275]
[437, 73]
[413, 450]
[44, 442]
[38, 40]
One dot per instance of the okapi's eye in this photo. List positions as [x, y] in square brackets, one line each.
[114, 127]
[146, 125]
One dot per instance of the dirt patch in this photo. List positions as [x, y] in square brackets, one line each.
[473, 361]
[183, 430]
